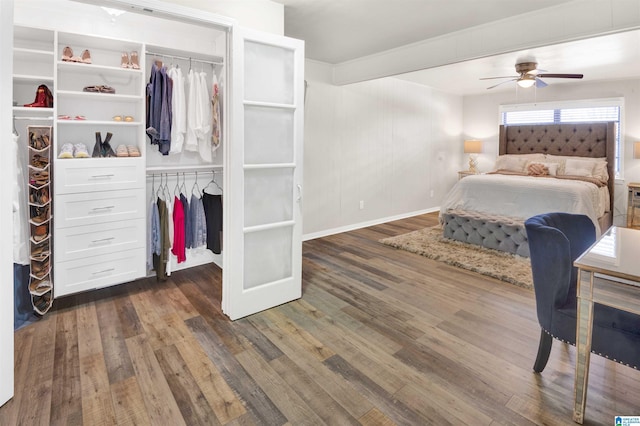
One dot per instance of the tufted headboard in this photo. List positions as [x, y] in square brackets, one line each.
[577, 139]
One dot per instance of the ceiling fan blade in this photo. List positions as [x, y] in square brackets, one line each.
[561, 75]
[493, 78]
[540, 84]
[496, 85]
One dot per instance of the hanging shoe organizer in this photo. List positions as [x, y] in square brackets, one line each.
[40, 215]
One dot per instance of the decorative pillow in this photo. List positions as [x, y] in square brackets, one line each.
[599, 165]
[516, 162]
[573, 167]
[551, 169]
[537, 169]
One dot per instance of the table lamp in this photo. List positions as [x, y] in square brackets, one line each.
[473, 147]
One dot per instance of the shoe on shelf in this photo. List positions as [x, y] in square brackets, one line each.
[67, 54]
[128, 118]
[124, 60]
[40, 232]
[121, 151]
[133, 151]
[134, 61]
[44, 98]
[80, 151]
[66, 151]
[39, 214]
[85, 58]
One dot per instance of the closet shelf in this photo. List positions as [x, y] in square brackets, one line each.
[92, 68]
[29, 78]
[98, 122]
[34, 111]
[101, 96]
[24, 52]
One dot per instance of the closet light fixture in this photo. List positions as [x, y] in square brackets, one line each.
[114, 13]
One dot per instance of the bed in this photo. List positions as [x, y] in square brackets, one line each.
[490, 209]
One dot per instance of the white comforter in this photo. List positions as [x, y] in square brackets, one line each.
[525, 196]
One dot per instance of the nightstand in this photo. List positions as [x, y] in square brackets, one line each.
[632, 203]
[465, 173]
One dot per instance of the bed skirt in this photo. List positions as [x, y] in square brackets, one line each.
[490, 231]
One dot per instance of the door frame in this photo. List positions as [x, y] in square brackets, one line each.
[7, 174]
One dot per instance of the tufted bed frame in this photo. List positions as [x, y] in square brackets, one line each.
[595, 140]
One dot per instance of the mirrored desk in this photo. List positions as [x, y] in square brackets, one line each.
[609, 274]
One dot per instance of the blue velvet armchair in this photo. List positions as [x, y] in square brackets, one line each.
[556, 240]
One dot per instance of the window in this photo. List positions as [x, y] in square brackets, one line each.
[569, 112]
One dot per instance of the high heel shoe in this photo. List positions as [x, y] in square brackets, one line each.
[86, 57]
[67, 54]
[124, 60]
[134, 61]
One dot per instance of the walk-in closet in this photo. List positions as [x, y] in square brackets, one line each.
[170, 138]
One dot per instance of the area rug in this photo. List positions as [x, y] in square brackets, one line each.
[430, 243]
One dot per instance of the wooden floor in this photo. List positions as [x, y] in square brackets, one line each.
[380, 337]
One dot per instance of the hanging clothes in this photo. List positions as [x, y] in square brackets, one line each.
[160, 261]
[153, 233]
[216, 124]
[188, 228]
[213, 212]
[198, 222]
[204, 131]
[178, 248]
[159, 91]
[191, 139]
[178, 110]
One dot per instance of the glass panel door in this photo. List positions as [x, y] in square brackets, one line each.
[265, 174]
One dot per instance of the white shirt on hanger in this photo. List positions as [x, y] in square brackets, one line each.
[179, 110]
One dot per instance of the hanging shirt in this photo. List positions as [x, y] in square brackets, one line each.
[153, 234]
[203, 131]
[178, 110]
[160, 261]
[191, 139]
[198, 222]
[216, 124]
[178, 248]
[213, 212]
[188, 229]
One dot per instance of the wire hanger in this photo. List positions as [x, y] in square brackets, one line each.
[176, 190]
[183, 186]
[153, 186]
[196, 188]
[213, 181]
[15, 131]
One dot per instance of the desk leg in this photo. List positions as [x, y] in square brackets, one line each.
[583, 343]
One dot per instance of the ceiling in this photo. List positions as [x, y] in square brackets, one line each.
[338, 31]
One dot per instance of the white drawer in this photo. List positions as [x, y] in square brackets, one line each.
[97, 272]
[94, 208]
[85, 241]
[98, 174]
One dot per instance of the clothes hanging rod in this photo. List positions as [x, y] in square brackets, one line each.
[186, 58]
[190, 171]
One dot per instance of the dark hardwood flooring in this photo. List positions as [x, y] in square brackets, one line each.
[380, 337]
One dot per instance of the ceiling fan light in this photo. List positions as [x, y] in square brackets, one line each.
[526, 81]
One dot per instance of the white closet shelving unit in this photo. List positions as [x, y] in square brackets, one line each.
[100, 204]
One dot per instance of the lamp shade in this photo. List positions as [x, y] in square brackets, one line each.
[526, 81]
[636, 150]
[472, 146]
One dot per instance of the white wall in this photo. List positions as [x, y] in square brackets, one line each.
[386, 143]
[263, 15]
[481, 121]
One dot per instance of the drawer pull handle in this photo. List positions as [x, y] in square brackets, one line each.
[102, 208]
[103, 271]
[103, 240]
[103, 176]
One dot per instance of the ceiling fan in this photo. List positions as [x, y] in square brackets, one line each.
[530, 75]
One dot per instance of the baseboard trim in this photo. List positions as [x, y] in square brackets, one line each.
[347, 228]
